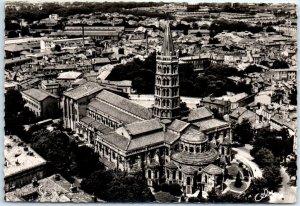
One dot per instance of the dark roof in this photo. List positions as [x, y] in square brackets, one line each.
[124, 104]
[196, 159]
[178, 125]
[171, 165]
[96, 125]
[112, 111]
[84, 90]
[146, 140]
[143, 126]
[213, 169]
[199, 113]
[117, 140]
[188, 169]
[39, 94]
[171, 137]
[211, 124]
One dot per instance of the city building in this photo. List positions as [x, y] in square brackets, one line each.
[44, 104]
[21, 163]
[50, 189]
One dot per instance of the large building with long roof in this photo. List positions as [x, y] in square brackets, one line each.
[191, 151]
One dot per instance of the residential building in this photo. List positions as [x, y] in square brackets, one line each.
[54, 189]
[42, 103]
[21, 163]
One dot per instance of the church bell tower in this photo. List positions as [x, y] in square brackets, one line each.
[166, 94]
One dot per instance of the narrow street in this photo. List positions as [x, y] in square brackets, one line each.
[243, 155]
[286, 194]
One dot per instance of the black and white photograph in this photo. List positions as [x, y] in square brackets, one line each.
[150, 102]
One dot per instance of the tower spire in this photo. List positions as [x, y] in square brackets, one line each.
[167, 47]
[166, 91]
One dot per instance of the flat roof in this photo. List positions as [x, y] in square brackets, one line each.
[19, 156]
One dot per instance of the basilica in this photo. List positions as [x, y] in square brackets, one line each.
[157, 142]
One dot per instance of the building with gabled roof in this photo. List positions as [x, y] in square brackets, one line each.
[44, 104]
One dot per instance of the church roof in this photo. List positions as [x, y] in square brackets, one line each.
[143, 126]
[193, 136]
[112, 111]
[117, 140]
[199, 114]
[188, 169]
[167, 47]
[124, 104]
[146, 140]
[178, 125]
[171, 165]
[213, 169]
[96, 125]
[211, 124]
[83, 90]
[196, 159]
[171, 137]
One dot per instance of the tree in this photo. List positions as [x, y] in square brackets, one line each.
[198, 34]
[213, 41]
[243, 132]
[252, 69]
[16, 114]
[280, 64]
[238, 182]
[57, 48]
[117, 186]
[292, 168]
[58, 149]
[293, 96]
[175, 189]
[12, 34]
[270, 29]
[87, 161]
[212, 196]
[184, 110]
[273, 177]
[264, 157]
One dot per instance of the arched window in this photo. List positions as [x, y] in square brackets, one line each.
[188, 180]
[167, 92]
[167, 82]
[163, 102]
[168, 103]
[174, 174]
[149, 174]
[165, 70]
[164, 81]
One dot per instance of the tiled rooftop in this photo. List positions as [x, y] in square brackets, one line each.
[84, 90]
[112, 111]
[211, 124]
[39, 94]
[199, 113]
[124, 104]
[141, 127]
[50, 189]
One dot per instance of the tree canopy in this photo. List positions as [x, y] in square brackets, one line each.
[117, 186]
